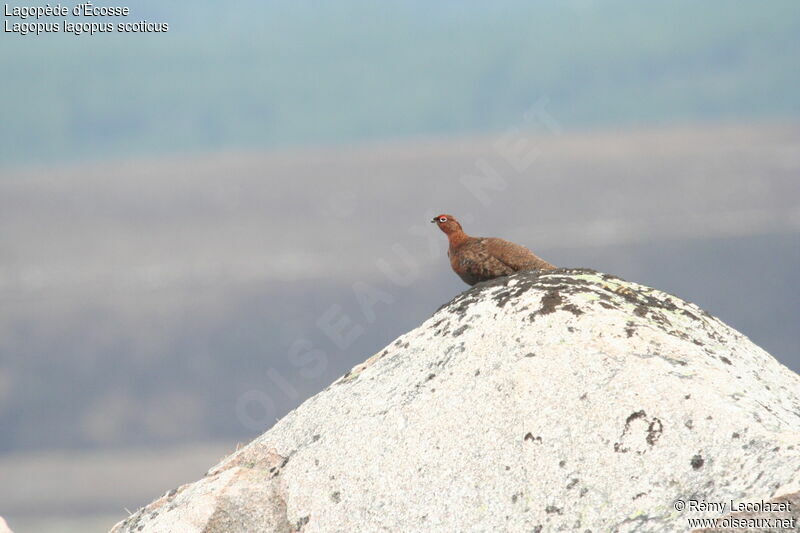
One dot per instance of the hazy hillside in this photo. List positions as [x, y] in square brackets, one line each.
[275, 73]
[88, 491]
[180, 299]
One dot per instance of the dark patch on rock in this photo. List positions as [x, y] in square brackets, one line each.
[633, 416]
[553, 280]
[697, 462]
[504, 297]
[572, 483]
[276, 470]
[572, 308]
[530, 354]
[336, 496]
[444, 330]
[550, 509]
[670, 360]
[530, 437]
[550, 302]
[691, 315]
[460, 330]
[302, 522]
[560, 283]
[725, 360]
[659, 318]
[654, 431]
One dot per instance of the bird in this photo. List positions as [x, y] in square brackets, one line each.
[477, 259]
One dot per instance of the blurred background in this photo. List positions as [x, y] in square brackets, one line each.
[201, 228]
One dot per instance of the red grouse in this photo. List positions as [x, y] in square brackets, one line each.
[477, 259]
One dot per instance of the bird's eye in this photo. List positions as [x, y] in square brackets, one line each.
[442, 219]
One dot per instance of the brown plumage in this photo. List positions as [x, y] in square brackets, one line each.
[477, 259]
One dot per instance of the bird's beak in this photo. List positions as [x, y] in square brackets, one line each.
[434, 220]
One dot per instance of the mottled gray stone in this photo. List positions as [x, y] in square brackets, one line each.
[4, 526]
[565, 400]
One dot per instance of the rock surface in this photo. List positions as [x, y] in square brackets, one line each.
[744, 521]
[562, 400]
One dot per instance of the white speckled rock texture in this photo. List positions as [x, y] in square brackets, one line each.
[4, 526]
[556, 401]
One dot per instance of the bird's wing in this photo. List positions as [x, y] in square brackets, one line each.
[515, 256]
[474, 263]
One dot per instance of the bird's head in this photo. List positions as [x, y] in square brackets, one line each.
[447, 223]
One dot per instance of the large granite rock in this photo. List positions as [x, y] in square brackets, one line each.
[565, 400]
[4, 526]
